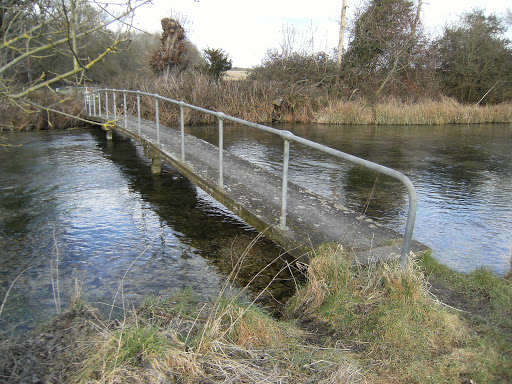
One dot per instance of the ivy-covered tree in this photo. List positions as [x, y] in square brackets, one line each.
[475, 59]
[176, 52]
[217, 62]
[387, 45]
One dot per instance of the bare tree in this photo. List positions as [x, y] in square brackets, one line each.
[36, 29]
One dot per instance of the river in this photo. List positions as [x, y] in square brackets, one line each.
[462, 174]
[89, 212]
[78, 211]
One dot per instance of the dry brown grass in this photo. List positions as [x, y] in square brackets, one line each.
[227, 341]
[23, 116]
[159, 343]
[270, 101]
[387, 314]
[426, 112]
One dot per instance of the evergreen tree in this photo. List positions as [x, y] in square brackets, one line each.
[217, 62]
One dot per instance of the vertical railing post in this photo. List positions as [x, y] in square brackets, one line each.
[409, 226]
[138, 110]
[115, 107]
[94, 103]
[284, 189]
[221, 150]
[125, 111]
[106, 104]
[157, 118]
[89, 103]
[99, 103]
[182, 130]
[85, 101]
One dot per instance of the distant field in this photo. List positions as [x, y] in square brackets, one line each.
[236, 74]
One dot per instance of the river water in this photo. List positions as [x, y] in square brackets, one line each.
[462, 174]
[89, 211]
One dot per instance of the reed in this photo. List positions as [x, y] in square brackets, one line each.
[265, 101]
[23, 116]
[425, 112]
[253, 100]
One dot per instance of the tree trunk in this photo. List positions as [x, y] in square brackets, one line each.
[343, 26]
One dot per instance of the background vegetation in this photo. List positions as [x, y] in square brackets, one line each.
[392, 71]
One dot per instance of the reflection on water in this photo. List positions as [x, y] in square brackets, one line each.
[463, 176]
[96, 207]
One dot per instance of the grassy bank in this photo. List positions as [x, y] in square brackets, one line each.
[346, 324]
[269, 101]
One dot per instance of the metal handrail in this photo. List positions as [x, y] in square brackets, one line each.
[287, 136]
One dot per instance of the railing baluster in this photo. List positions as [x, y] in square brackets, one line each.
[115, 107]
[284, 188]
[93, 103]
[221, 152]
[99, 103]
[182, 130]
[138, 110]
[157, 117]
[106, 104]
[125, 111]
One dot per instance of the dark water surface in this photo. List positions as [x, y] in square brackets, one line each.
[95, 207]
[462, 174]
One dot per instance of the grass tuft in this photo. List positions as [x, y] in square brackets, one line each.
[401, 331]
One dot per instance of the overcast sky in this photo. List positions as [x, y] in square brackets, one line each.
[247, 29]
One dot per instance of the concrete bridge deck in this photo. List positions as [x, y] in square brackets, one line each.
[254, 194]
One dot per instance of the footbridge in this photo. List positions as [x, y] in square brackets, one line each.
[291, 216]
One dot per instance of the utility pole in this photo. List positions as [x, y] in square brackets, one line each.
[343, 25]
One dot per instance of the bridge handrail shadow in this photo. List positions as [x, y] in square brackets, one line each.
[94, 106]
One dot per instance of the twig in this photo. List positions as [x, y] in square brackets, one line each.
[10, 287]
[121, 283]
[483, 97]
[56, 290]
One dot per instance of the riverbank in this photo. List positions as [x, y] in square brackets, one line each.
[257, 101]
[346, 324]
[21, 116]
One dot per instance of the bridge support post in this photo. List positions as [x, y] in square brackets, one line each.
[109, 134]
[156, 165]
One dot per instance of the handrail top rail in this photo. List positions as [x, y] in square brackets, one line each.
[286, 135]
